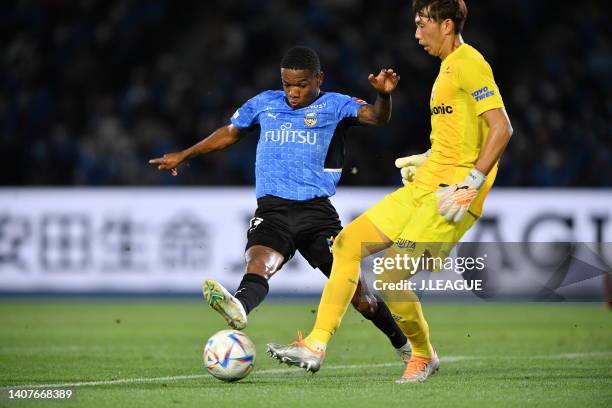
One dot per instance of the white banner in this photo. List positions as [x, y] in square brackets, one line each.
[167, 240]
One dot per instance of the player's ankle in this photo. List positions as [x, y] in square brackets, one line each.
[405, 347]
[315, 345]
[319, 335]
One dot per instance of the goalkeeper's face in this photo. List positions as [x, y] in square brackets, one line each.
[301, 86]
[429, 33]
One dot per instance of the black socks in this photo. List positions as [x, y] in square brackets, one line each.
[383, 319]
[252, 291]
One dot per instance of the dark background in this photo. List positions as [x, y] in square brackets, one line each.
[90, 90]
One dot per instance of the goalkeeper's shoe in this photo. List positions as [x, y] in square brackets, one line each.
[419, 368]
[408, 165]
[454, 201]
[225, 304]
[297, 354]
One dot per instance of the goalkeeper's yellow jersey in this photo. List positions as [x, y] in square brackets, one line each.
[463, 90]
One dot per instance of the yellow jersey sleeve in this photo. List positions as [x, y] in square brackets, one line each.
[475, 77]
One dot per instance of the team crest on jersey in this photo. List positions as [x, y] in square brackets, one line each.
[310, 119]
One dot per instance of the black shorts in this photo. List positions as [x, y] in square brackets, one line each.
[287, 225]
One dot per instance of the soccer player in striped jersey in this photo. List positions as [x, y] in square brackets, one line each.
[298, 165]
[469, 131]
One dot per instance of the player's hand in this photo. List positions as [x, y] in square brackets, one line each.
[455, 200]
[170, 162]
[408, 165]
[385, 82]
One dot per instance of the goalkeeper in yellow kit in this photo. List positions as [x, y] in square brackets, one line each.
[469, 131]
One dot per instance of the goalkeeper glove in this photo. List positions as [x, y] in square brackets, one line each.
[455, 200]
[409, 165]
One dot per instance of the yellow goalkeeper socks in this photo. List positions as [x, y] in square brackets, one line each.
[344, 277]
[413, 324]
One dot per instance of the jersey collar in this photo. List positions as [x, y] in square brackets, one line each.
[316, 99]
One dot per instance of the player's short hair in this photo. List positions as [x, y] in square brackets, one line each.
[440, 10]
[301, 58]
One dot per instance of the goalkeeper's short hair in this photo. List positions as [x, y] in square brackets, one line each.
[440, 10]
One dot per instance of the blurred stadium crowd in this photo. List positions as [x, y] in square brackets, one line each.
[92, 89]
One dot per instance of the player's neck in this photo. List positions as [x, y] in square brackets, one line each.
[453, 43]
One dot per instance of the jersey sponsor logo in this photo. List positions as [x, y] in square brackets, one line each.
[442, 110]
[405, 244]
[287, 135]
[359, 100]
[310, 119]
[482, 93]
[319, 106]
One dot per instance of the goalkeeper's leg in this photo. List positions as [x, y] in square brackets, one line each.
[357, 240]
[412, 322]
[378, 313]
[339, 290]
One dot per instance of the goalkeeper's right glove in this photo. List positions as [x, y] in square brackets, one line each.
[409, 165]
[454, 201]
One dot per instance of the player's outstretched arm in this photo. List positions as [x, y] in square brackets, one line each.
[380, 113]
[220, 139]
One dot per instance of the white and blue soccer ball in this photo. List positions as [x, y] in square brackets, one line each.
[229, 355]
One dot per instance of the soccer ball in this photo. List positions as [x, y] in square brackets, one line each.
[229, 355]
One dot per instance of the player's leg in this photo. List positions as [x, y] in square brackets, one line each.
[405, 304]
[434, 237]
[378, 313]
[269, 246]
[360, 238]
[339, 290]
[407, 309]
[262, 263]
[317, 224]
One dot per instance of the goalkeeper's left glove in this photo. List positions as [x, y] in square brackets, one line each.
[455, 200]
[408, 165]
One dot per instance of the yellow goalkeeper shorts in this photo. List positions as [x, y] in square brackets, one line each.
[409, 217]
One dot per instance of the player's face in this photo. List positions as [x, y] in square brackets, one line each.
[429, 34]
[301, 86]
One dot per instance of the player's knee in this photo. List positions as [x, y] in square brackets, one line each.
[263, 261]
[258, 266]
[345, 246]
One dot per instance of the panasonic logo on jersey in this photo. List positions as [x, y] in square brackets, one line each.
[441, 110]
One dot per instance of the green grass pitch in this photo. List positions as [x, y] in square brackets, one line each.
[148, 353]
